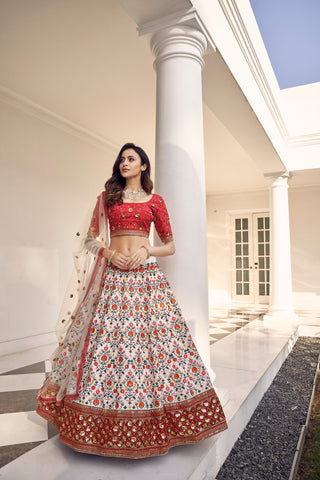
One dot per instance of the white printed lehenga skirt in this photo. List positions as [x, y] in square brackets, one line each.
[142, 387]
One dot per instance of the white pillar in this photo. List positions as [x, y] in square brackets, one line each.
[180, 175]
[280, 306]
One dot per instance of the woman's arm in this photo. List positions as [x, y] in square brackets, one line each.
[163, 250]
[107, 253]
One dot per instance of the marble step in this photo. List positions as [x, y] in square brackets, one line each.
[245, 364]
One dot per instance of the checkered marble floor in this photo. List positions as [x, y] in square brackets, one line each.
[224, 322]
[21, 429]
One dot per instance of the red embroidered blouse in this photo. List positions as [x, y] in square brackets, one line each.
[136, 218]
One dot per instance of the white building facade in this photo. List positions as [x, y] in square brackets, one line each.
[236, 158]
[191, 76]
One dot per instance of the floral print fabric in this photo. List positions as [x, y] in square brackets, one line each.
[140, 353]
[139, 370]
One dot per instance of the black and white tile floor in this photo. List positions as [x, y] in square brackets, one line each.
[21, 429]
[222, 323]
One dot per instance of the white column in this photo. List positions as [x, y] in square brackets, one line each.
[280, 306]
[180, 175]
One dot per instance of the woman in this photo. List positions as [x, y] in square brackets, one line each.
[126, 378]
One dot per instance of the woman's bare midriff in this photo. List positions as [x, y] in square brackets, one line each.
[128, 244]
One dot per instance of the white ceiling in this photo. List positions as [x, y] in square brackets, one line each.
[85, 61]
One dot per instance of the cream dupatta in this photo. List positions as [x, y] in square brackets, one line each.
[78, 305]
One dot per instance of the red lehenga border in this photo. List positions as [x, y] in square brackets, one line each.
[135, 433]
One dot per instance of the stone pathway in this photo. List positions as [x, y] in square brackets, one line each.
[266, 448]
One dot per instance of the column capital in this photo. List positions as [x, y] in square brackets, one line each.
[278, 179]
[281, 180]
[178, 41]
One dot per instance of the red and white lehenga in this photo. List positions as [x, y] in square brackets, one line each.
[126, 380]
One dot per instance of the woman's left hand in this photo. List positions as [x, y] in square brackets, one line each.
[137, 258]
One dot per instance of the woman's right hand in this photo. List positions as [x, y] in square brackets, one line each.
[119, 260]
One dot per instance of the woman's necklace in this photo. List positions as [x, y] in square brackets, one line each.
[134, 194]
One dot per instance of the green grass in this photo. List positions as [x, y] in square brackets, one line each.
[309, 467]
[312, 459]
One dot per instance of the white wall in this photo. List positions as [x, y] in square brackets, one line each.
[304, 204]
[305, 245]
[49, 177]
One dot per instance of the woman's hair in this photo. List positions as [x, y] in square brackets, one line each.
[116, 183]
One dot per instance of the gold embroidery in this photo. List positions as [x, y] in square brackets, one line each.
[135, 433]
[137, 233]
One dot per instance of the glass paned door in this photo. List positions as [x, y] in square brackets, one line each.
[241, 237]
[261, 243]
[250, 257]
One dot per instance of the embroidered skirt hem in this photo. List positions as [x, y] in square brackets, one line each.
[135, 433]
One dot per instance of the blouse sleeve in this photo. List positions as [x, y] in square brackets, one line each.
[162, 221]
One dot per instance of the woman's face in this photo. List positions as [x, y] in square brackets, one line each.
[130, 164]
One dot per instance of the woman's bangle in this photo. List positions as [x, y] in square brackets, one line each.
[147, 250]
[109, 259]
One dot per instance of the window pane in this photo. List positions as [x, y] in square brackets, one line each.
[267, 222]
[245, 262]
[267, 236]
[239, 288]
[245, 249]
[245, 237]
[261, 262]
[268, 289]
[246, 275]
[260, 249]
[268, 276]
[238, 237]
[267, 249]
[238, 223]
[261, 289]
[261, 276]
[238, 249]
[246, 289]
[260, 236]
[268, 262]
[260, 223]
[244, 224]
[238, 275]
[238, 262]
